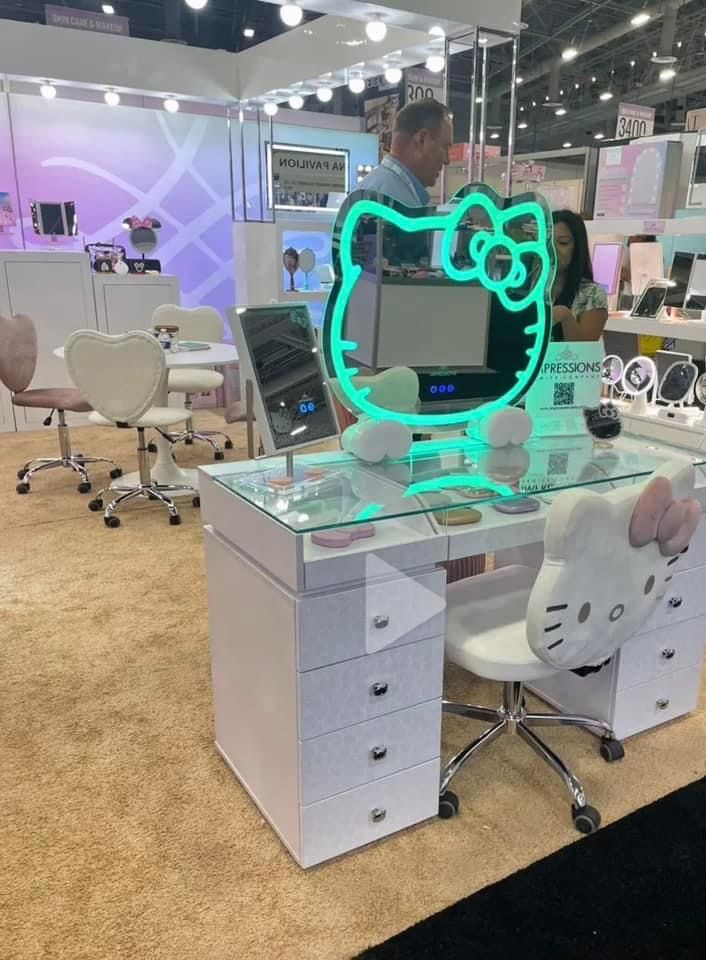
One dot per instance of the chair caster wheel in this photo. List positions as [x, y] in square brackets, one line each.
[175, 520]
[114, 474]
[219, 455]
[587, 820]
[189, 441]
[196, 501]
[152, 447]
[612, 750]
[95, 505]
[78, 456]
[84, 486]
[22, 487]
[112, 522]
[21, 474]
[228, 444]
[448, 805]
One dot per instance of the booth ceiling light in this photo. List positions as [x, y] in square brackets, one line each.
[291, 14]
[108, 9]
[669, 73]
[606, 96]
[665, 59]
[569, 54]
[599, 136]
[437, 31]
[270, 108]
[640, 19]
[495, 135]
[356, 84]
[561, 112]
[523, 125]
[196, 4]
[567, 145]
[249, 32]
[171, 105]
[376, 29]
[324, 94]
[436, 62]
[519, 80]
[48, 91]
[112, 98]
[296, 101]
[393, 74]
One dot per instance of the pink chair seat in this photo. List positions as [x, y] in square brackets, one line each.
[53, 398]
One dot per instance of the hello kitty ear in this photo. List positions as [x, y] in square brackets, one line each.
[578, 521]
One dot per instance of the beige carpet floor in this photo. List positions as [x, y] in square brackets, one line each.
[123, 835]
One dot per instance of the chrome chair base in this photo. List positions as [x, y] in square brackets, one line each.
[513, 718]
[190, 435]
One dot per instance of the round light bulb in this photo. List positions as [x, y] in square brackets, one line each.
[48, 91]
[599, 136]
[668, 74]
[324, 94]
[569, 54]
[393, 75]
[376, 30]
[567, 145]
[522, 126]
[296, 101]
[435, 63]
[171, 105]
[270, 108]
[437, 31]
[606, 96]
[561, 112]
[196, 4]
[111, 98]
[495, 136]
[291, 14]
[356, 84]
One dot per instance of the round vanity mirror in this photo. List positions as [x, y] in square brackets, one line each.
[307, 260]
[639, 376]
[700, 389]
[612, 370]
[678, 381]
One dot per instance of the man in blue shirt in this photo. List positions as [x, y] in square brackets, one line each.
[421, 138]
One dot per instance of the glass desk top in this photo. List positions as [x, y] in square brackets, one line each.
[439, 478]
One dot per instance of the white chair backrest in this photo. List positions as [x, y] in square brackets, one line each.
[199, 323]
[608, 559]
[118, 375]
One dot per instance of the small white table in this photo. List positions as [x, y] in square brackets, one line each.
[165, 470]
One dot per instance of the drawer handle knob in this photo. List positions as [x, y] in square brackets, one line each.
[381, 622]
[378, 814]
[669, 653]
[378, 753]
[675, 602]
[379, 689]
[663, 703]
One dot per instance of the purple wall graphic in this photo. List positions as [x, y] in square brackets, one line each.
[114, 162]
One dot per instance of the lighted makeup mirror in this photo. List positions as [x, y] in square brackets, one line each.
[612, 370]
[639, 378]
[678, 382]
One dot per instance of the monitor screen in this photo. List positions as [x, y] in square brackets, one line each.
[285, 362]
[607, 260]
[679, 275]
[51, 217]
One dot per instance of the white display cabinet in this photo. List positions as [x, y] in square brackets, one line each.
[127, 303]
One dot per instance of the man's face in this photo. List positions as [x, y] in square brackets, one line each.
[432, 152]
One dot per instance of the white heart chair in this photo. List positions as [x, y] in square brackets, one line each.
[607, 561]
[204, 324]
[120, 377]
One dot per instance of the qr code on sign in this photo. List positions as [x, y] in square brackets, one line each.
[558, 463]
[563, 394]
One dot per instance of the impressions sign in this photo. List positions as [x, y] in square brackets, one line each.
[305, 176]
[569, 383]
[86, 20]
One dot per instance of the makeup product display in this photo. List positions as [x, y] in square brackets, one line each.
[343, 536]
[603, 422]
[458, 516]
[7, 214]
[678, 382]
[307, 263]
[290, 261]
[52, 219]
[143, 237]
[517, 505]
[612, 370]
[639, 377]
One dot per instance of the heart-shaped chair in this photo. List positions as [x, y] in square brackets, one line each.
[120, 376]
[18, 362]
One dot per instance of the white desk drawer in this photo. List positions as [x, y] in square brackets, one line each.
[331, 698]
[685, 598]
[661, 652]
[368, 813]
[650, 704]
[369, 751]
[351, 623]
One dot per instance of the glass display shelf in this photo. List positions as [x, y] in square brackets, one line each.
[439, 478]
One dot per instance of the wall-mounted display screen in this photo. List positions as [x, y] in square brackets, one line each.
[607, 260]
[306, 178]
[680, 273]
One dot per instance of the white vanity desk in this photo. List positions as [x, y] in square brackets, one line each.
[327, 663]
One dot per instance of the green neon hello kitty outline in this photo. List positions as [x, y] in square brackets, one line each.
[483, 243]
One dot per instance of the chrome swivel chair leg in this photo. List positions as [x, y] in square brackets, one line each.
[470, 710]
[461, 758]
[558, 766]
[568, 720]
[190, 434]
[147, 488]
[71, 461]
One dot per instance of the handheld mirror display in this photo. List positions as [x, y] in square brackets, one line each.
[639, 376]
[700, 389]
[462, 297]
[678, 382]
[612, 370]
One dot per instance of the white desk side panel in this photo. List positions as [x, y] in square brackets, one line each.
[253, 646]
[55, 290]
[127, 303]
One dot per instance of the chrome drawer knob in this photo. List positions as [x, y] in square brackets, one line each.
[675, 602]
[663, 703]
[379, 689]
[378, 753]
[378, 814]
[669, 653]
[381, 622]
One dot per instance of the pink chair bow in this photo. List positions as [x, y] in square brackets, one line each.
[136, 223]
[658, 516]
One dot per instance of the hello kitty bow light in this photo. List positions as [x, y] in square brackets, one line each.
[503, 232]
[659, 517]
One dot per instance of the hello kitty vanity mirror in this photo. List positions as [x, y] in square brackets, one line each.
[639, 378]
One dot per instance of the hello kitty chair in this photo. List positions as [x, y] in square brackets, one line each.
[607, 561]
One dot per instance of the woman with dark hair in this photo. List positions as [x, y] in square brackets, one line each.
[580, 305]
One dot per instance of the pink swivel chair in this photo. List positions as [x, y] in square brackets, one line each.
[18, 362]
